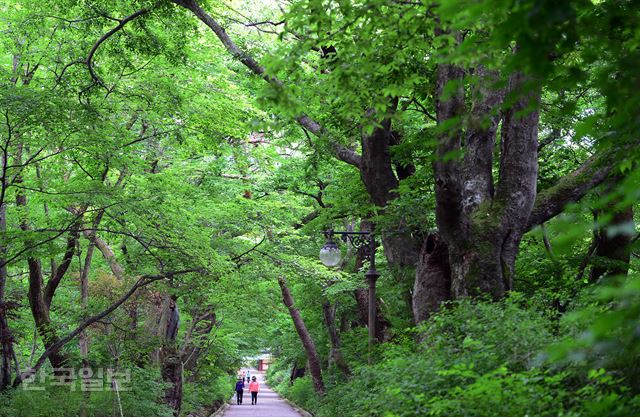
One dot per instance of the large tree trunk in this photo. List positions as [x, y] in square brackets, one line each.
[307, 342]
[612, 241]
[171, 371]
[433, 278]
[483, 228]
[378, 177]
[335, 354]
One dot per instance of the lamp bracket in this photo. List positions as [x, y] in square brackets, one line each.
[359, 240]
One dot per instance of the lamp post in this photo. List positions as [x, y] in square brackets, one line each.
[365, 241]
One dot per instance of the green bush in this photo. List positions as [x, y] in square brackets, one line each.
[477, 359]
[278, 380]
[302, 394]
[143, 399]
[207, 395]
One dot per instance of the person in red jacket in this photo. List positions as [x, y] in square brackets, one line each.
[254, 387]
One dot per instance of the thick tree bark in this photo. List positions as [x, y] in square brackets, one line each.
[376, 171]
[613, 241]
[335, 354]
[378, 177]
[433, 278]
[483, 229]
[516, 190]
[309, 346]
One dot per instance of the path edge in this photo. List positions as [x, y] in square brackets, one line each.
[220, 411]
[302, 412]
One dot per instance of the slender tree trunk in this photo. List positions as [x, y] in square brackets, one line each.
[37, 301]
[7, 354]
[193, 347]
[169, 356]
[335, 354]
[309, 346]
[83, 339]
[107, 253]
[84, 300]
[6, 339]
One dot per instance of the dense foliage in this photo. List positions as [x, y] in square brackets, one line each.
[168, 168]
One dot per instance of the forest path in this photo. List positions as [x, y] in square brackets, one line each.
[269, 403]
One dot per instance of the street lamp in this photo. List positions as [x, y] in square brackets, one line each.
[365, 241]
[330, 252]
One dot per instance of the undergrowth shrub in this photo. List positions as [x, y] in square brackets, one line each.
[477, 359]
[207, 395]
[141, 397]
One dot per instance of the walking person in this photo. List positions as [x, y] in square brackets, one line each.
[248, 375]
[254, 387]
[239, 390]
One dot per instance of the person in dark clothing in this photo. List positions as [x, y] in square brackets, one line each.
[239, 390]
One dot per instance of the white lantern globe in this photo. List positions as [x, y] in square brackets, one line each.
[330, 254]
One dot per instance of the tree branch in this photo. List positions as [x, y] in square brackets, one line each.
[53, 283]
[571, 188]
[340, 151]
[142, 281]
[106, 36]
[237, 257]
